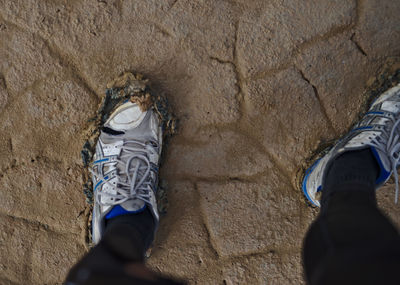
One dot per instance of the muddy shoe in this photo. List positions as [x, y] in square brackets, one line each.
[125, 166]
[378, 130]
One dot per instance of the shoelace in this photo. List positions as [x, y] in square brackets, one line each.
[139, 181]
[391, 149]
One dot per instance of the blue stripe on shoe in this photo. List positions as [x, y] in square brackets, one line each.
[362, 128]
[100, 182]
[375, 113]
[101, 160]
[119, 211]
[304, 185]
[383, 175]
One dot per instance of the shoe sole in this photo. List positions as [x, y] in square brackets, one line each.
[305, 179]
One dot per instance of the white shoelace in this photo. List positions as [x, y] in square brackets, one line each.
[138, 176]
[391, 149]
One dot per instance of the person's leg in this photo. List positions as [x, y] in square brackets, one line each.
[129, 236]
[119, 256]
[351, 241]
[125, 180]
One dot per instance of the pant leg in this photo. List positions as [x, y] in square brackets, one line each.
[124, 243]
[352, 242]
[130, 236]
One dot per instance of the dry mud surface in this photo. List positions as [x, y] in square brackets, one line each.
[257, 87]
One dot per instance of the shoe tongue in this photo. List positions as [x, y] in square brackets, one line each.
[133, 205]
[135, 162]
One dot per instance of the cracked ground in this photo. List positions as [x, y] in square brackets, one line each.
[257, 86]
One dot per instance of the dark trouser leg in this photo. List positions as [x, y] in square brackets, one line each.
[129, 236]
[351, 242]
[125, 242]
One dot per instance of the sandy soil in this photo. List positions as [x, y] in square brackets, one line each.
[257, 87]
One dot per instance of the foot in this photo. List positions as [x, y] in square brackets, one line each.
[125, 166]
[378, 130]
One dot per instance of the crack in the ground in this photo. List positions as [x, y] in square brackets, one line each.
[161, 29]
[359, 8]
[10, 145]
[321, 104]
[268, 250]
[270, 72]
[335, 31]
[3, 83]
[211, 241]
[172, 5]
[357, 45]
[238, 73]
[35, 223]
[39, 225]
[221, 61]
[14, 164]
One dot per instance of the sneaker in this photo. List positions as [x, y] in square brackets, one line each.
[379, 130]
[125, 166]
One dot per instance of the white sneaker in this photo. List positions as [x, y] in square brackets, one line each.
[125, 166]
[379, 130]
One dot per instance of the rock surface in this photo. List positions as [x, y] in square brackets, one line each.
[288, 138]
[257, 86]
[224, 207]
[338, 70]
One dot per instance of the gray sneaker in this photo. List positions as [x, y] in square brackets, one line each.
[378, 130]
[125, 166]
